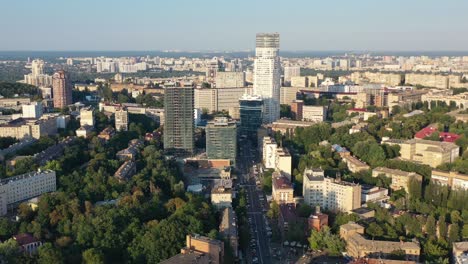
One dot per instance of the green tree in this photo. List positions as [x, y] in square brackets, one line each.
[431, 227]
[442, 227]
[49, 254]
[374, 230]
[93, 256]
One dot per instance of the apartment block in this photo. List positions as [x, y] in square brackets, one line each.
[428, 80]
[269, 152]
[314, 113]
[432, 153]
[400, 179]
[87, 116]
[299, 81]
[282, 189]
[452, 179]
[353, 163]
[331, 194]
[283, 162]
[23, 128]
[121, 119]
[230, 79]
[296, 109]
[32, 110]
[358, 246]
[14, 190]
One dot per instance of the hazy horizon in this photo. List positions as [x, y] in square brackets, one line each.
[208, 25]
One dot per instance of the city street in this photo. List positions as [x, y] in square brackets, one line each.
[259, 249]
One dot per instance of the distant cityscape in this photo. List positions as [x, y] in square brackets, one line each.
[234, 157]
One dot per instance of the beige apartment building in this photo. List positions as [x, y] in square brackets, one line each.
[284, 162]
[354, 164]
[428, 80]
[87, 116]
[230, 79]
[14, 190]
[282, 190]
[35, 128]
[314, 113]
[329, 193]
[390, 79]
[358, 246]
[452, 179]
[219, 99]
[432, 153]
[460, 100]
[400, 179]
[404, 98]
[299, 81]
[221, 197]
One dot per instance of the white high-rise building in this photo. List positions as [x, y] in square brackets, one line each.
[267, 75]
[37, 67]
[32, 110]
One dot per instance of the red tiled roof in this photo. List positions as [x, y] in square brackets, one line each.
[444, 136]
[24, 239]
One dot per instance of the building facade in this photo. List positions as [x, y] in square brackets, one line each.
[179, 120]
[267, 74]
[221, 139]
[251, 116]
[121, 119]
[230, 79]
[61, 89]
[314, 113]
[332, 194]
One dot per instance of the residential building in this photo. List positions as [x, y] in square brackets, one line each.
[126, 171]
[179, 120]
[314, 113]
[23, 128]
[283, 162]
[219, 99]
[291, 72]
[269, 152]
[84, 131]
[357, 246]
[282, 190]
[289, 94]
[429, 80]
[353, 163]
[121, 119]
[32, 110]
[328, 193]
[297, 109]
[431, 129]
[371, 193]
[267, 74]
[299, 81]
[400, 179]
[61, 89]
[251, 116]
[286, 126]
[221, 139]
[14, 190]
[107, 133]
[453, 179]
[228, 229]
[432, 153]
[28, 243]
[221, 197]
[131, 151]
[199, 250]
[230, 79]
[87, 116]
[460, 252]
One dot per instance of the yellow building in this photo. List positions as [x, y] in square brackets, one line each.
[354, 164]
[284, 162]
[358, 246]
[400, 179]
[332, 194]
[221, 197]
[432, 153]
[453, 179]
[282, 190]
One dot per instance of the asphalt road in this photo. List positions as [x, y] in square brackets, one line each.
[260, 248]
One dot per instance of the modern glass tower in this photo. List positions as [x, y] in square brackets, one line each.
[251, 117]
[221, 139]
[179, 121]
[267, 75]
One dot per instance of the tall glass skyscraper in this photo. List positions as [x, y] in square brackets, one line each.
[267, 75]
[251, 108]
[179, 120]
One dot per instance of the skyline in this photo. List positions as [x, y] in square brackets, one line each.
[207, 26]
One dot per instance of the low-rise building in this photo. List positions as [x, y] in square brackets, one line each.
[228, 229]
[357, 246]
[221, 197]
[282, 189]
[314, 113]
[126, 170]
[400, 179]
[14, 190]
[354, 164]
[107, 133]
[318, 220]
[84, 131]
[199, 250]
[23, 128]
[371, 193]
[432, 153]
[288, 126]
[28, 243]
[453, 179]
[460, 252]
[331, 194]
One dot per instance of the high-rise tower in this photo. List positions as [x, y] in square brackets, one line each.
[61, 89]
[179, 120]
[267, 75]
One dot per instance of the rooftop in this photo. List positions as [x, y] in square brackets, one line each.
[280, 182]
[25, 238]
[394, 171]
[24, 176]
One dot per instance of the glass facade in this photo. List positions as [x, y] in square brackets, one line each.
[250, 116]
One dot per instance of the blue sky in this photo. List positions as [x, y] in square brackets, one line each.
[361, 25]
